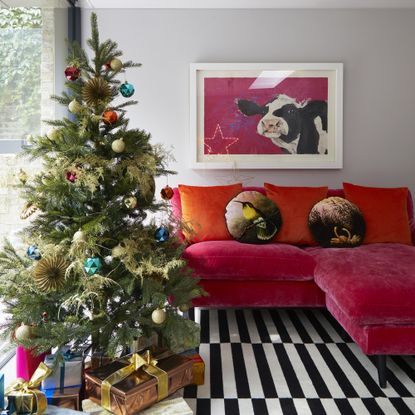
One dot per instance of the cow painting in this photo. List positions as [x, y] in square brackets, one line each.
[295, 127]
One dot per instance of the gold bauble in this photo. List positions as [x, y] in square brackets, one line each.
[116, 65]
[130, 202]
[158, 316]
[118, 146]
[49, 273]
[79, 236]
[96, 91]
[184, 308]
[23, 332]
[28, 209]
[22, 176]
[54, 134]
[75, 107]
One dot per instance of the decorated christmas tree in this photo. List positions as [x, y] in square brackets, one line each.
[97, 266]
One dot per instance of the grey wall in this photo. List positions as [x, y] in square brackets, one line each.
[376, 47]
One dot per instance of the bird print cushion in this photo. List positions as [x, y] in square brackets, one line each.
[252, 218]
[337, 222]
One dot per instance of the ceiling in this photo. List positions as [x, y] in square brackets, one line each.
[220, 4]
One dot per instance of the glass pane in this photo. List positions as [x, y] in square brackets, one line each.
[20, 79]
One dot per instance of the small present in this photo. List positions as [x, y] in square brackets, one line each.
[56, 410]
[93, 408]
[131, 385]
[27, 362]
[198, 366]
[67, 370]
[64, 397]
[24, 396]
[168, 406]
[1, 391]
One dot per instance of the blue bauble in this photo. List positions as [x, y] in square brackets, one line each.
[33, 252]
[161, 234]
[92, 265]
[127, 90]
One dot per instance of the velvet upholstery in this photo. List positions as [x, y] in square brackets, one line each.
[235, 261]
[372, 284]
[368, 289]
[260, 294]
[397, 339]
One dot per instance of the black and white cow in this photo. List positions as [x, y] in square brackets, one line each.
[296, 127]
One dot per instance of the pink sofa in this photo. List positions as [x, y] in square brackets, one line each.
[370, 289]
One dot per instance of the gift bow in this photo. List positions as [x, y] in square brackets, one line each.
[22, 387]
[145, 362]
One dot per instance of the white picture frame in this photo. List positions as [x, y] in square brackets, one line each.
[250, 134]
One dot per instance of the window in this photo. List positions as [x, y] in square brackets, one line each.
[26, 77]
[21, 56]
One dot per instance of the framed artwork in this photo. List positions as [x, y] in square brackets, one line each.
[266, 115]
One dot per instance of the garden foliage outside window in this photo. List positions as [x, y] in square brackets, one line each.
[20, 77]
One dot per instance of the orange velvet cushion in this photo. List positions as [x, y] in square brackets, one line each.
[384, 210]
[203, 211]
[295, 204]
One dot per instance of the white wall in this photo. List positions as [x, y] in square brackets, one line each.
[376, 47]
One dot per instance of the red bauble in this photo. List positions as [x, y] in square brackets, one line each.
[106, 66]
[72, 73]
[110, 117]
[167, 193]
[71, 176]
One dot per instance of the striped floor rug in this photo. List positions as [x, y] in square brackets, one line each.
[291, 361]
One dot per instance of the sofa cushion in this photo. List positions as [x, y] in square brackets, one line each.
[232, 260]
[385, 212]
[371, 284]
[295, 204]
[337, 222]
[252, 218]
[203, 211]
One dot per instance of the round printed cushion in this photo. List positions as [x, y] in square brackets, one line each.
[252, 218]
[336, 222]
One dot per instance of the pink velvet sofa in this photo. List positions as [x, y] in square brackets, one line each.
[370, 289]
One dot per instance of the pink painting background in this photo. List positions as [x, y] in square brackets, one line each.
[236, 133]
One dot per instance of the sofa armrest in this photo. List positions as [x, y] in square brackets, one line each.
[412, 224]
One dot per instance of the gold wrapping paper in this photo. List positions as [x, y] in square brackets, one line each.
[26, 396]
[148, 364]
[138, 390]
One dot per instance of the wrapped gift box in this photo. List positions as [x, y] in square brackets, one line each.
[198, 366]
[167, 406]
[27, 362]
[139, 390]
[67, 370]
[64, 398]
[1, 391]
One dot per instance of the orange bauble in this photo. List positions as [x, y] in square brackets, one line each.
[110, 117]
[167, 193]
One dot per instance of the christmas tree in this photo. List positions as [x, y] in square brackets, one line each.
[96, 266]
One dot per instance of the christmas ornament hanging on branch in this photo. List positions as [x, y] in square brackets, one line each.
[72, 73]
[28, 209]
[96, 91]
[118, 146]
[127, 90]
[110, 117]
[116, 65]
[167, 193]
[49, 273]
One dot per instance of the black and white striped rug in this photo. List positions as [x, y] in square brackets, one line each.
[291, 361]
